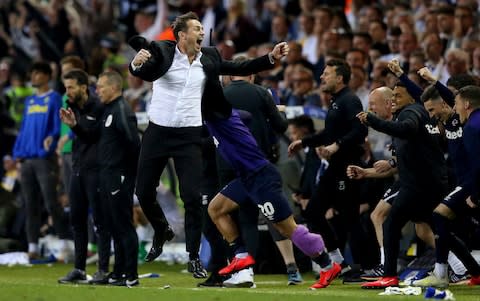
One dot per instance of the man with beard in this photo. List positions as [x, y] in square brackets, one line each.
[84, 188]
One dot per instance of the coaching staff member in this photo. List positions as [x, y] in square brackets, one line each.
[117, 150]
[186, 85]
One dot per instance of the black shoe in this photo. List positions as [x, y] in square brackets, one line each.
[74, 276]
[124, 280]
[116, 279]
[214, 280]
[157, 245]
[373, 274]
[100, 277]
[196, 268]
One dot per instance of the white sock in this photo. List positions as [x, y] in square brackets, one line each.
[456, 265]
[32, 247]
[440, 270]
[242, 255]
[336, 256]
[382, 255]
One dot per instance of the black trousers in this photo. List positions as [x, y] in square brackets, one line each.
[335, 190]
[84, 194]
[184, 146]
[117, 191]
[410, 204]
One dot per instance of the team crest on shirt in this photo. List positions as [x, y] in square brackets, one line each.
[108, 121]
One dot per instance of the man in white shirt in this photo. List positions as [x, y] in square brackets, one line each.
[186, 88]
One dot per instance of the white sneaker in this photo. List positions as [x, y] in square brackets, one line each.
[242, 278]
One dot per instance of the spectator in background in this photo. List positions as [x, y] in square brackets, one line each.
[149, 21]
[299, 128]
[445, 24]
[303, 89]
[476, 62]
[358, 84]
[307, 37]
[280, 29]
[295, 55]
[138, 93]
[15, 96]
[238, 28]
[433, 48]
[457, 62]
[393, 35]
[10, 203]
[378, 31]
[35, 149]
[464, 25]
[407, 43]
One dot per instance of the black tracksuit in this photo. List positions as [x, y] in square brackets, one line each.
[422, 171]
[335, 189]
[84, 187]
[117, 153]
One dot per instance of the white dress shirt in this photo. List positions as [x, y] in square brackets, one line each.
[176, 98]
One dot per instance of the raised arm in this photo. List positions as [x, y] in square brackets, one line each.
[444, 92]
[412, 88]
[256, 65]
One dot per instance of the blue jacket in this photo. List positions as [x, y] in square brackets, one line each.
[40, 120]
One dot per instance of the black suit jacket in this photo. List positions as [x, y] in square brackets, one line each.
[213, 100]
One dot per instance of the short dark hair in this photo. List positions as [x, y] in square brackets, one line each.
[364, 35]
[341, 68]
[74, 60]
[446, 10]
[43, 67]
[364, 55]
[470, 94]
[382, 24]
[430, 93]
[461, 80]
[77, 74]
[303, 121]
[180, 23]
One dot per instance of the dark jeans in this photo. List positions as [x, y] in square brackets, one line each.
[117, 193]
[84, 194]
[40, 175]
[184, 146]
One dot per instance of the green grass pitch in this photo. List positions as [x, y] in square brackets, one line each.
[39, 283]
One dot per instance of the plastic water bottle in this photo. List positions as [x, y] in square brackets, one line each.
[434, 293]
